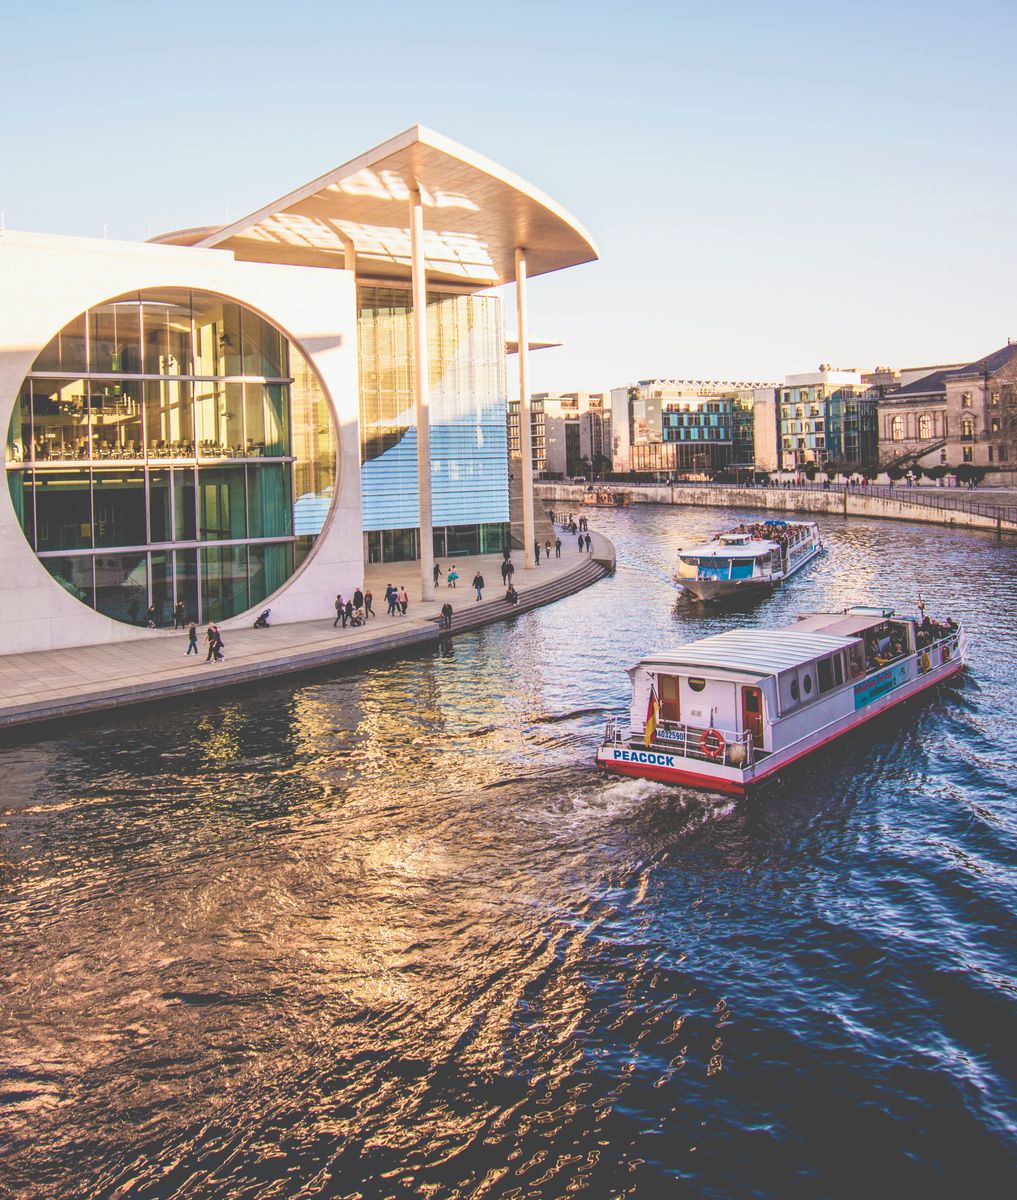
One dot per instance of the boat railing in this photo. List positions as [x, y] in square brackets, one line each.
[692, 741]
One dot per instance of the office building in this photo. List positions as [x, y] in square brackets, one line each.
[236, 416]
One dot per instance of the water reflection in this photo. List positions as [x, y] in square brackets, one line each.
[389, 933]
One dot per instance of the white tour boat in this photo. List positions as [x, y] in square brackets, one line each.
[727, 712]
[752, 558]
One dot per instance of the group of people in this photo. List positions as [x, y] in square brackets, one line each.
[783, 535]
[397, 600]
[570, 522]
[216, 646]
[930, 632]
[354, 610]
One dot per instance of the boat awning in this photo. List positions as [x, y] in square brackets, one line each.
[754, 549]
[845, 627]
[476, 214]
[749, 651]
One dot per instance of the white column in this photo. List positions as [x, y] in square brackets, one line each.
[421, 394]
[525, 432]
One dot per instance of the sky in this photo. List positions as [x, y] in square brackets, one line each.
[770, 185]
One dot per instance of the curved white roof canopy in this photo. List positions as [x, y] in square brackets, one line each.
[476, 214]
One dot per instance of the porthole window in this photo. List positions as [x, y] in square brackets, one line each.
[807, 684]
[795, 693]
[697, 685]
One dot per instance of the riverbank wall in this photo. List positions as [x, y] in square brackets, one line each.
[846, 502]
[56, 685]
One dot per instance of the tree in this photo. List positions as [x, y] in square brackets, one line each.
[583, 467]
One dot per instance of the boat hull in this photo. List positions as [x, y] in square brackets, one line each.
[715, 591]
[663, 766]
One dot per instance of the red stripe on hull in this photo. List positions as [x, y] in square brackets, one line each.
[734, 788]
[666, 775]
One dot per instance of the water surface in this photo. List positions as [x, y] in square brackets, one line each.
[388, 933]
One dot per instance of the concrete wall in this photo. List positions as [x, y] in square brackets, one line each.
[846, 503]
[47, 281]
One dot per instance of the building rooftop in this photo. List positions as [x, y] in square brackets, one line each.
[476, 214]
[935, 383]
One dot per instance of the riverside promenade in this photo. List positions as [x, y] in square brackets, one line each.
[991, 510]
[60, 684]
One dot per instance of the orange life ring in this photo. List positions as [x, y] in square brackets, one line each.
[712, 743]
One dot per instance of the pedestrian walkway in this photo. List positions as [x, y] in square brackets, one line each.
[47, 685]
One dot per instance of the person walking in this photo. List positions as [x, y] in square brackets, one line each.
[478, 583]
[219, 646]
[192, 638]
[179, 616]
[150, 616]
[212, 637]
[504, 571]
[338, 609]
[358, 598]
[391, 595]
[368, 601]
[446, 616]
[536, 551]
[404, 601]
[589, 544]
[437, 573]
[547, 549]
[582, 543]
[511, 569]
[347, 612]
[557, 547]
[453, 575]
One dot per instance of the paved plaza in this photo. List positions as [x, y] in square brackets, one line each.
[48, 684]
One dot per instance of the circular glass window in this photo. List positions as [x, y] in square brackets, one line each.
[171, 453]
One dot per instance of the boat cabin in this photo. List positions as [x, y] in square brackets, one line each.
[764, 689]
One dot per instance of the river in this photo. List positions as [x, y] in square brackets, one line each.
[387, 933]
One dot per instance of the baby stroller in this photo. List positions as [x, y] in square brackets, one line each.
[262, 621]
[357, 618]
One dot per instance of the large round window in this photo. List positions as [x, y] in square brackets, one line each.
[171, 451]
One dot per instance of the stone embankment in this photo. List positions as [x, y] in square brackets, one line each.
[55, 685]
[889, 503]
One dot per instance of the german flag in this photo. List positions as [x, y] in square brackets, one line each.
[650, 729]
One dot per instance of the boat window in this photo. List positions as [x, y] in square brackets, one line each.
[838, 669]
[795, 693]
[807, 684]
[824, 669]
[669, 707]
[696, 684]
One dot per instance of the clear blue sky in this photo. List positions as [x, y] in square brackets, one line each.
[771, 184]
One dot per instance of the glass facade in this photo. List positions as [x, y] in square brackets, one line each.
[169, 446]
[469, 450]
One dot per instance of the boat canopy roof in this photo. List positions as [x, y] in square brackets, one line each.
[717, 549]
[841, 625]
[753, 651]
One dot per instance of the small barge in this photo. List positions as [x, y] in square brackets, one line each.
[748, 560]
[607, 498]
[729, 712]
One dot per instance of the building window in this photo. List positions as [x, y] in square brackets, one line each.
[967, 428]
[969, 454]
[994, 399]
[994, 425]
[990, 454]
[897, 429]
[965, 400]
[924, 427]
[155, 429]
[1002, 456]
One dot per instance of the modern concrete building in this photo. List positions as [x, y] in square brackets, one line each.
[827, 416]
[577, 432]
[687, 426]
[235, 416]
